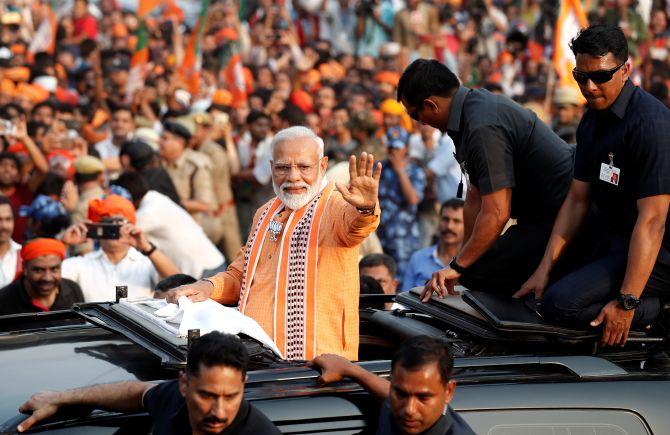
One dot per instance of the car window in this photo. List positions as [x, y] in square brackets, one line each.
[555, 422]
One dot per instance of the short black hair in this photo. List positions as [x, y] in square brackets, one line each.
[122, 108]
[135, 183]
[600, 39]
[139, 152]
[421, 350]
[34, 127]
[454, 203]
[423, 78]
[255, 115]
[217, 349]
[293, 115]
[52, 185]
[370, 286]
[5, 201]
[374, 260]
[45, 103]
[173, 281]
[6, 155]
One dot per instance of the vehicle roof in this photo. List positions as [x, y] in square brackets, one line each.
[67, 357]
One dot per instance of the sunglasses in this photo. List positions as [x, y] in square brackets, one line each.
[597, 77]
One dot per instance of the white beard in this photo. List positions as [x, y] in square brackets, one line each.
[296, 202]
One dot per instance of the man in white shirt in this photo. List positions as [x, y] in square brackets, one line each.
[251, 185]
[9, 249]
[131, 260]
[121, 125]
[172, 229]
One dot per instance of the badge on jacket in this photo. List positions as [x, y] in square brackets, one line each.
[610, 173]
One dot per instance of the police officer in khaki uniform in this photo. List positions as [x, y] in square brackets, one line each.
[225, 227]
[190, 171]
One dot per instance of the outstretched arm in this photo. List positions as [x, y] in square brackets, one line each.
[334, 368]
[120, 396]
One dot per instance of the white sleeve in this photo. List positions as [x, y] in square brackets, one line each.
[444, 161]
[70, 268]
[262, 170]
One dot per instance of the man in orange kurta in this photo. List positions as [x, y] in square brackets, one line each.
[297, 276]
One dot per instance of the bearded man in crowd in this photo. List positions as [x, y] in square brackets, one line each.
[298, 273]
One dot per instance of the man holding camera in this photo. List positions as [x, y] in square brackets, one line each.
[125, 255]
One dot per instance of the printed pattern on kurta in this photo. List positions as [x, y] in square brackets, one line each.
[342, 229]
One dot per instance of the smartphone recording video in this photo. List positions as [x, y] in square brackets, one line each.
[103, 230]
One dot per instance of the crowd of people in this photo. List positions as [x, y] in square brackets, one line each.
[262, 149]
[81, 114]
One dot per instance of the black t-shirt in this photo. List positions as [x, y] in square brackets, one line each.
[503, 145]
[450, 423]
[635, 133]
[166, 405]
[14, 298]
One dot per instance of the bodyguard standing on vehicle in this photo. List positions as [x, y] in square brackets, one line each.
[517, 167]
[622, 166]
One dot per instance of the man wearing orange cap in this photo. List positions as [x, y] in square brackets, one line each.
[40, 287]
[130, 260]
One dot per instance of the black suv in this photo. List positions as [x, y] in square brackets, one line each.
[515, 373]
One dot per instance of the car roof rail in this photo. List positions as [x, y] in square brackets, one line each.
[581, 366]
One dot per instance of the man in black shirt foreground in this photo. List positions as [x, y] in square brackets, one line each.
[517, 168]
[622, 167]
[416, 400]
[208, 398]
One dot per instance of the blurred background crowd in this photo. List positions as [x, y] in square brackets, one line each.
[173, 104]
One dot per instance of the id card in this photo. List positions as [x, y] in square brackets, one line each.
[609, 174]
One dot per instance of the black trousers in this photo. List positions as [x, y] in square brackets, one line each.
[577, 298]
[510, 261]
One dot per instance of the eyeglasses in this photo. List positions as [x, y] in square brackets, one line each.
[285, 168]
[414, 114]
[597, 77]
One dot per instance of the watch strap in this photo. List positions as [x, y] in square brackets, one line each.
[455, 266]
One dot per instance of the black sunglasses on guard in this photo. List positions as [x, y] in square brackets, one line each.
[597, 77]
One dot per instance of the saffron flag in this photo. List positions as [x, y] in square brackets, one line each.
[140, 57]
[144, 7]
[192, 62]
[571, 19]
[235, 81]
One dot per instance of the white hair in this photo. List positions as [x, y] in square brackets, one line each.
[296, 132]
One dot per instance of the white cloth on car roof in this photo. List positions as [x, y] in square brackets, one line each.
[207, 316]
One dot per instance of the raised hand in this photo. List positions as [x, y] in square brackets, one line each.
[363, 182]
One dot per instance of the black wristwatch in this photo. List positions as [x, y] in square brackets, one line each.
[457, 267]
[150, 251]
[627, 301]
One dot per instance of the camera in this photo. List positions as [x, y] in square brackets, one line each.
[103, 230]
[7, 128]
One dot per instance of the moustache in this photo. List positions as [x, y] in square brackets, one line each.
[214, 420]
[288, 185]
